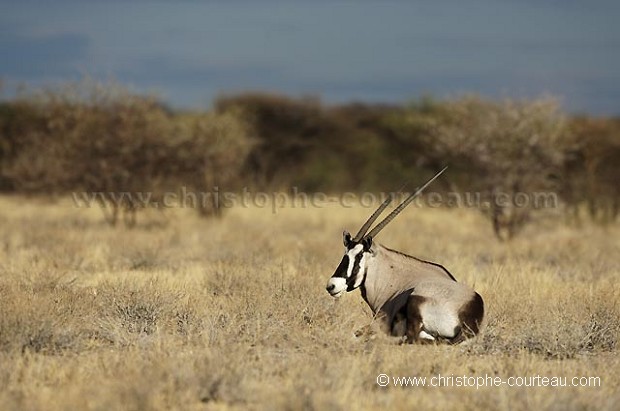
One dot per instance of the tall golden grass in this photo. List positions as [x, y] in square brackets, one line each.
[232, 314]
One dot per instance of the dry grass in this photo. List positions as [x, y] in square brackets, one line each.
[232, 314]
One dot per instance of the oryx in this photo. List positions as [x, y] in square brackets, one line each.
[409, 296]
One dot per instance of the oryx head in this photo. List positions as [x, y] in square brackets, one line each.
[351, 271]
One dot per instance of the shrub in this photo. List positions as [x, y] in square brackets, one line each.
[211, 152]
[592, 169]
[127, 149]
[301, 143]
[499, 149]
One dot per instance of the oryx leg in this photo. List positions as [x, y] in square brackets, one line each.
[431, 322]
[471, 315]
[414, 318]
[381, 327]
[399, 323]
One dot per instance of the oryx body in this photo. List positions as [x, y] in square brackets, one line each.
[408, 296]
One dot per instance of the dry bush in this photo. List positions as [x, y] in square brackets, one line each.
[43, 314]
[592, 169]
[286, 128]
[503, 148]
[92, 138]
[17, 118]
[304, 144]
[212, 153]
[120, 150]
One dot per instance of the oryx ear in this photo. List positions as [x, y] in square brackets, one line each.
[346, 238]
[367, 243]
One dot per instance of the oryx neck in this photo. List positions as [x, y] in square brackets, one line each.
[384, 279]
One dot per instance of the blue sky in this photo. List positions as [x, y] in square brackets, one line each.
[189, 52]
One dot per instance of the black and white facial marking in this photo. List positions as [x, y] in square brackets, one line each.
[352, 269]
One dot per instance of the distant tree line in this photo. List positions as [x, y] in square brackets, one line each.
[86, 138]
[101, 138]
[498, 149]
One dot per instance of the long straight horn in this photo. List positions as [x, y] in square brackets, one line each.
[373, 217]
[373, 233]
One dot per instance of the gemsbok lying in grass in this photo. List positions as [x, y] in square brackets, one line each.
[409, 296]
